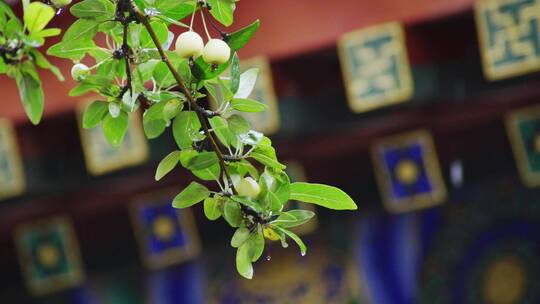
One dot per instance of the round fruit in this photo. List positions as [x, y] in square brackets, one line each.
[189, 44]
[79, 70]
[216, 51]
[60, 3]
[247, 187]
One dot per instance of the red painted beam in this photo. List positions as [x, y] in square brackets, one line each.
[289, 28]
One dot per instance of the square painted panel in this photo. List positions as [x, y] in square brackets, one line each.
[266, 121]
[523, 128]
[509, 33]
[408, 172]
[101, 157]
[12, 181]
[375, 67]
[165, 235]
[49, 255]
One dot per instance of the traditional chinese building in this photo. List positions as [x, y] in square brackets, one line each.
[426, 112]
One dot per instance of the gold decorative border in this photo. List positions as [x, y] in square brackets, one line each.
[405, 75]
[501, 73]
[99, 166]
[265, 83]
[432, 168]
[187, 224]
[512, 119]
[17, 186]
[73, 278]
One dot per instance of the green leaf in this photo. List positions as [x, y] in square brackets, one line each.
[202, 161]
[167, 164]
[153, 123]
[50, 32]
[238, 124]
[222, 10]
[243, 262]
[248, 79]
[235, 73]
[256, 244]
[276, 189]
[175, 9]
[210, 173]
[205, 71]
[74, 50]
[94, 114]
[185, 126]
[92, 83]
[161, 32]
[163, 76]
[31, 92]
[240, 236]
[6, 9]
[81, 30]
[232, 213]
[115, 129]
[293, 218]
[37, 15]
[322, 195]
[251, 138]
[191, 195]
[296, 238]
[94, 9]
[247, 202]
[42, 62]
[238, 39]
[212, 208]
[248, 105]
[266, 155]
[220, 127]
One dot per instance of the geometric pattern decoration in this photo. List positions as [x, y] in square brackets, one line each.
[296, 173]
[100, 157]
[12, 181]
[165, 235]
[408, 172]
[509, 35]
[290, 278]
[375, 67]
[267, 121]
[487, 249]
[523, 127]
[49, 255]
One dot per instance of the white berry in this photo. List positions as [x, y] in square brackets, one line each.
[247, 187]
[216, 52]
[189, 44]
[60, 3]
[78, 71]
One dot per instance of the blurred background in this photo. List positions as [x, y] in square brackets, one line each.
[424, 111]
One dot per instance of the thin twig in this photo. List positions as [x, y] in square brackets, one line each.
[143, 19]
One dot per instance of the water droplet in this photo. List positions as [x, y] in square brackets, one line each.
[303, 254]
[268, 257]
[59, 11]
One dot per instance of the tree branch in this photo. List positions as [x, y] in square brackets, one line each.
[143, 19]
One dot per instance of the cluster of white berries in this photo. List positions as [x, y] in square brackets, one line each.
[190, 45]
